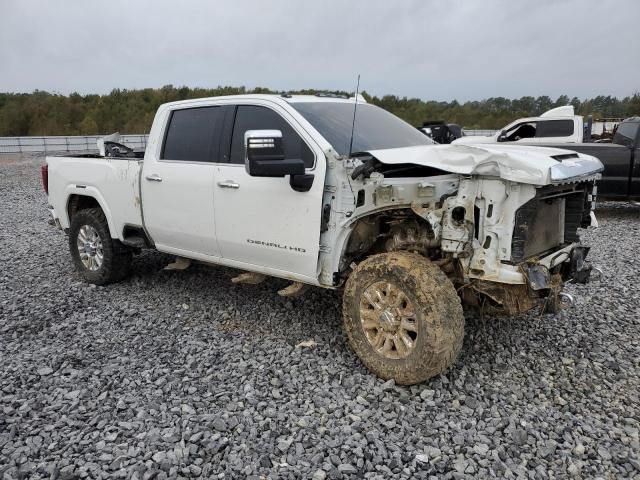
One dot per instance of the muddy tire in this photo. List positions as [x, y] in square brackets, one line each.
[96, 256]
[403, 317]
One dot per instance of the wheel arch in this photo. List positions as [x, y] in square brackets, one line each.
[86, 198]
[349, 231]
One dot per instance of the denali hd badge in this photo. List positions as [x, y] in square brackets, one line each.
[276, 245]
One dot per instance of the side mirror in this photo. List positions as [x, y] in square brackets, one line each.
[502, 137]
[264, 155]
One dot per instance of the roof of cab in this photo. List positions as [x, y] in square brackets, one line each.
[322, 98]
[278, 97]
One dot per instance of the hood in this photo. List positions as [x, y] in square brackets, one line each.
[523, 164]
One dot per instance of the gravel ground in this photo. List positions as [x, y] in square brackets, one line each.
[183, 374]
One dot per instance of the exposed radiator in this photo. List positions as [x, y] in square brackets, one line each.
[550, 219]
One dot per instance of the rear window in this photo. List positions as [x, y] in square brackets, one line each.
[193, 135]
[554, 128]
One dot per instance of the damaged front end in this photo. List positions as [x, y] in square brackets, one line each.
[502, 223]
[516, 245]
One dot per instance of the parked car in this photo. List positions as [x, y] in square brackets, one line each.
[277, 185]
[621, 176]
[441, 132]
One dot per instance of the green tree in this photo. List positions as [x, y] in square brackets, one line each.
[132, 111]
[88, 126]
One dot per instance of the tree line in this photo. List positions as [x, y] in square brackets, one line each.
[132, 111]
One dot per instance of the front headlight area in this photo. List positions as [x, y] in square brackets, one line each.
[522, 241]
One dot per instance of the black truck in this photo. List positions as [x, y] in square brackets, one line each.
[441, 132]
[621, 160]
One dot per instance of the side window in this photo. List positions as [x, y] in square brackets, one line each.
[520, 131]
[250, 117]
[554, 128]
[193, 135]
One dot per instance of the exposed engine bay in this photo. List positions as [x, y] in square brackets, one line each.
[507, 246]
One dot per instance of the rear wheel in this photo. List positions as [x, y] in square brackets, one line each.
[403, 317]
[97, 257]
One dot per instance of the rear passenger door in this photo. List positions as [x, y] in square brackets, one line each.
[261, 222]
[178, 181]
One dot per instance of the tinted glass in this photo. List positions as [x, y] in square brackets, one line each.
[554, 128]
[519, 131]
[628, 130]
[375, 128]
[193, 134]
[250, 117]
[626, 133]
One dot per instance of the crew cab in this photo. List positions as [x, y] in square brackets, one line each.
[339, 194]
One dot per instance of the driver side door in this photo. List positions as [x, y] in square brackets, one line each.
[262, 224]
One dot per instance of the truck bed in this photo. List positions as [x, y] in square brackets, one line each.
[113, 182]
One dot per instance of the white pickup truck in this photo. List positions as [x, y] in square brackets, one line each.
[279, 186]
[558, 125]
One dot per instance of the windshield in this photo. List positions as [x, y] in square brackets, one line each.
[375, 128]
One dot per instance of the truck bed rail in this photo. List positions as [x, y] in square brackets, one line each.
[62, 144]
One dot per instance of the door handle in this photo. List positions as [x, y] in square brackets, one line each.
[229, 184]
[154, 178]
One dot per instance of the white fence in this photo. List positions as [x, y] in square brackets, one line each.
[483, 133]
[63, 144]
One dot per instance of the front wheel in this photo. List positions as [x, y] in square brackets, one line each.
[403, 317]
[96, 256]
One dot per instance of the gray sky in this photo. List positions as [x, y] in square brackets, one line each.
[462, 49]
